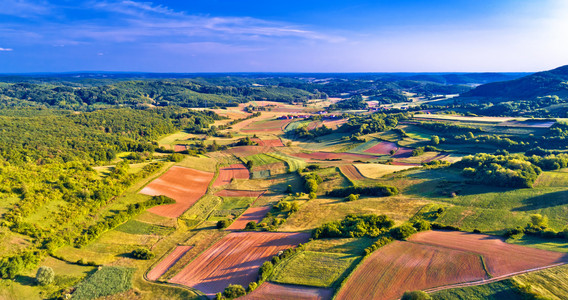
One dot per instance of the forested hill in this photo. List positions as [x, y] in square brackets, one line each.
[185, 93]
[547, 83]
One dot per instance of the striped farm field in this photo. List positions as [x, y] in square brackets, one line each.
[269, 290]
[165, 264]
[235, 259]
[403, 266]
[320, 155]
[184, 185]
[269, 142]
[500, 258]
[382, 148]
[240, 193]
[255, 214]
[351, 172]
[376, 171]
[261, 159]
[292, 162]
[227, 174]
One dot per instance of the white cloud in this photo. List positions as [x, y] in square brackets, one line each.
[6, 49]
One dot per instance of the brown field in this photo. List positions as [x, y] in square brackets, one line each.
[382, 148]
[528, 123]
[351, 172]
[226, 174]
[332, 156]
[165, 264]
[243, 151]
[270, 143]
[269, 290]
[313, 125]
[184, 185]
[403, 266]
[179, 148]
[500, 258]
[403, 152]
[251, 214]
[235, 259]
[240, 193]
[334, 124]
[400, 163]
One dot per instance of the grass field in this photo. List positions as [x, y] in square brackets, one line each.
[261, 159]
[504, 289]
[550, 283]
[292, 162]
[553, 179]
[321, 210]
[314, 268]
[105, 282]
[352, 246]
[137, 227]
[559, 245]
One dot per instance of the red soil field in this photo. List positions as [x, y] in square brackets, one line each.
[269, 290]
[165, 264]
[351, 172]
[235, 259]
[227, 174]
[382, 148]
[179, 148]
[313, 125]
[251, 214]
[243, 151]
[403, 152]
[332, 155]
[335, 123]
[500, 258]
[240, 193]
[403, 266]
[184, 185]
[270, 143]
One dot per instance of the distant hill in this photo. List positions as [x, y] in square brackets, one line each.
[553, 82]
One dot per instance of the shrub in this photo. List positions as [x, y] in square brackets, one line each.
[352, 197]
[312, 195]
[422, 225]
[251, 225]
[223, 224]
[142, 253]
[382, 241]
[45, 275]
[403, 231]
[415, 295]
[377, 190]
[234, 291]
[176, 157]
[265, 270]
[252, 286]
[354, 226]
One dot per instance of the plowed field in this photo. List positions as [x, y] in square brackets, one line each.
[382, 148]
[501, 258]
[235, 259]
[251, 214]
[243, 151]
[269, 290]
[270, 143]
[403, 152]
[179, 148]
[333, 156]
[351, 172]
[226, 174]
[403, 266]
[184, 185]
[240, 193]
[165, 264]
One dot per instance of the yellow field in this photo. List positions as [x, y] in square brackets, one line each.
[379, 170]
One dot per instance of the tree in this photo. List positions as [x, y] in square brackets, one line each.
[250, 164]
[295, 206]
[45, 275]
[312, 195]
[403, 231]
[538, 220]
[415, 295]
[234, 291]
[435, 140]
[142, 253]
[223, 224]
[352, 197]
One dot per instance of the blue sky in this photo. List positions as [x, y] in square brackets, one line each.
[282, 36]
